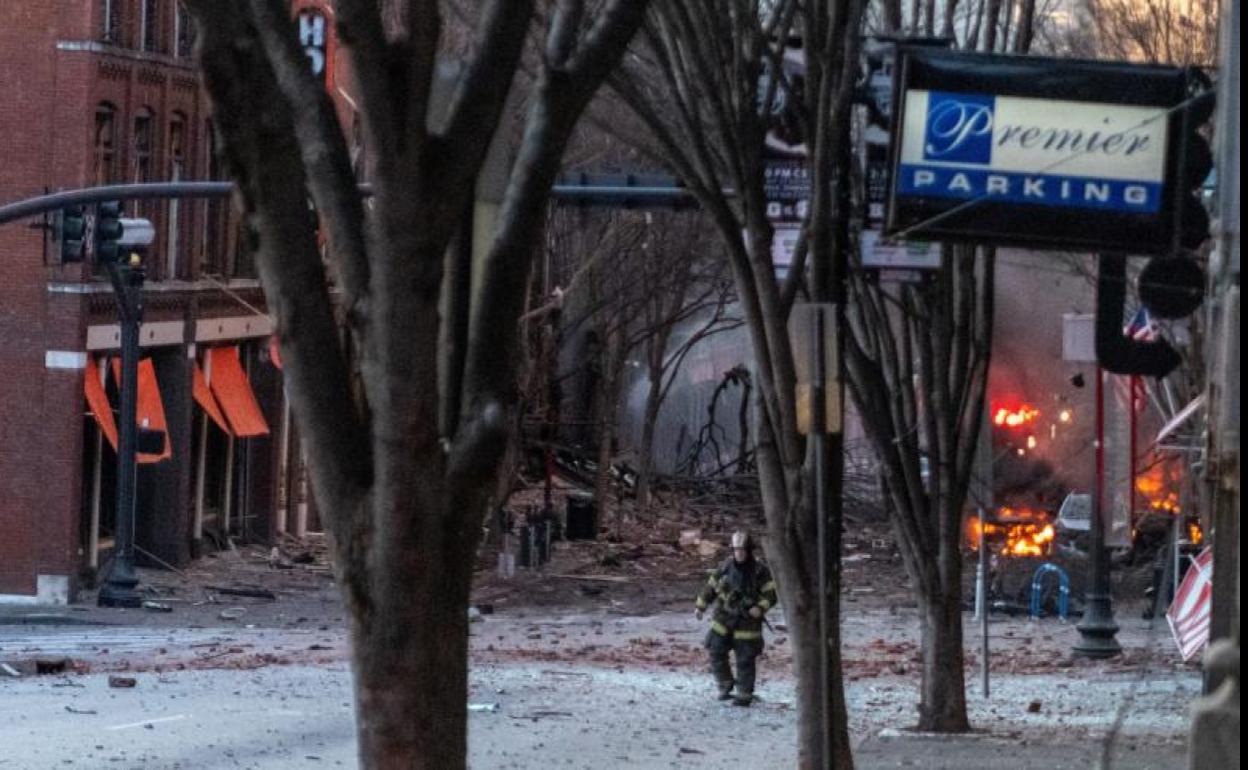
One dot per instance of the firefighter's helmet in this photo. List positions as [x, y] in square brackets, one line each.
[742, 539]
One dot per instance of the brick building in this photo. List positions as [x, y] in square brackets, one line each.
[102, 91]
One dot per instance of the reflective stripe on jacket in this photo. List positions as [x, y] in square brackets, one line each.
[735, 589]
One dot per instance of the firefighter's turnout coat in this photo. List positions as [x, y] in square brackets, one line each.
[735, 588]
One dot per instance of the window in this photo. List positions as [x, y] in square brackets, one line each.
[216, 210]
[105, 144]
[183, 31]
[110, 21]
[141, 160]
[142, 151]
[177, 171]
[149, 26]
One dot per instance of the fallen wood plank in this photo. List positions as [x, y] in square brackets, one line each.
[597, 578]
[252, 593]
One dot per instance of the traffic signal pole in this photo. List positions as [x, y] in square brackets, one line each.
[119, 590]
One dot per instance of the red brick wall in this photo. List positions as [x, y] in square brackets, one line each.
[55, 72]
[28, 132]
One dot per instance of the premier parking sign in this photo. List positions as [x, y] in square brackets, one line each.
[1035, 152]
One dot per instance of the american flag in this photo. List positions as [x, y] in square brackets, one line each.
[1142, 326]
[1189, 612]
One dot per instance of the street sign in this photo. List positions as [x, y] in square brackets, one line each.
[1031, 151]
[879, 252]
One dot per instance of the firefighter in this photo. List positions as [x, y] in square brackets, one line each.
[743, 590]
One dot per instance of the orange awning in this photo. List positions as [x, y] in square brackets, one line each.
[97, 399]
[229, 384]
[203, 396]
[150, 410]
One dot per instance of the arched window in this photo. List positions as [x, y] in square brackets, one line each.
[177, 171]
[143, 146]
[104, 143]
[216, 210]
[142, 158]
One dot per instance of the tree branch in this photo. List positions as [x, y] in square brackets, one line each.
[255, 122]
[326, 158]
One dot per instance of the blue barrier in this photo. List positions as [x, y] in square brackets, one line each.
[1063, 588]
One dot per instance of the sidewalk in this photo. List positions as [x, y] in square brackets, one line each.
[537, 715]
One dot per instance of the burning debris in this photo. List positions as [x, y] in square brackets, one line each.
[1159, 487]
[1014, 532]
[1005, 417]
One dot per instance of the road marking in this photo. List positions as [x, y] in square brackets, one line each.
[158, 720]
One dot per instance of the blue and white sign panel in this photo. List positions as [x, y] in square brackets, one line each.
[1035, 152]
[1077, 155]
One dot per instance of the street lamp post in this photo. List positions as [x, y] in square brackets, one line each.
[1097, 629]
[119, 589]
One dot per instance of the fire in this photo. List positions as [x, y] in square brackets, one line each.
[1014, 418]
[1022, 532]
[1158, 486]
[1194, 533]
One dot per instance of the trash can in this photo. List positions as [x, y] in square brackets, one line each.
[582, 518]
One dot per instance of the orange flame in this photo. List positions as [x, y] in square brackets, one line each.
[1024, 532]
[1014, 418]
[1194, 533]
[1159, 487]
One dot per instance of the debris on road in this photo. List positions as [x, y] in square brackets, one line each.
[53, 666]
[73, 710]
[244, 591]
[486, 707]
[536, 715]
[152, 606]
[233, 613]
[122, 681]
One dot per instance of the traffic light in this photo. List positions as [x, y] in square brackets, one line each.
[71, 232]
[1195, 164]
[1172, 287]
[108, 230]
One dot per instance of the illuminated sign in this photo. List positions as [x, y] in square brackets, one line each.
[311, 25]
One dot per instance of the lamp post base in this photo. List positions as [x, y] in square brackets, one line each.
[1097, 630]
[119, 589]
[114, 595]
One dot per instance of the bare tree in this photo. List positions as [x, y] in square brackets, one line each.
[1183, 32]
[402, 498]
[690, 303]
[918, 365]
[695, 80]
[917, 359]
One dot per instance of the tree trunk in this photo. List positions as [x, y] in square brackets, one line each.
[411, 661]
[942, 696]
[645, 453]
[792, 551]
